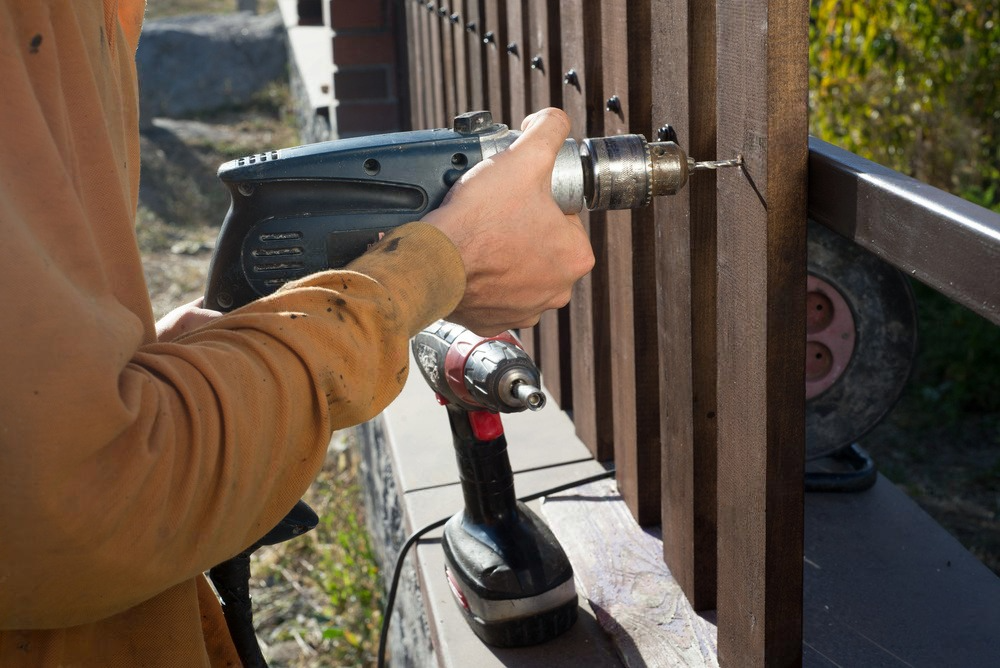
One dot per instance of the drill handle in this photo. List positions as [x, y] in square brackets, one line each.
[483, 466]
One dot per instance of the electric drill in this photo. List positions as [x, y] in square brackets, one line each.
[300, 210]
[306, 209]
[508, 573]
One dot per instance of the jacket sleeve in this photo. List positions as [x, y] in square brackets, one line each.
[128, 466]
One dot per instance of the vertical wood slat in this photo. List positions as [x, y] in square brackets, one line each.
[541, 53]
[635, 404]
[645, 409]
[436, 79]
[448, 64]
[416, 63]
[494, 45]
[762, 111]
[427, 65]
[461, 66]
[684, 96]
[590, 363]
[515, 49]
[475, 69]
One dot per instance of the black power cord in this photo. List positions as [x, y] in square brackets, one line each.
[419, 533]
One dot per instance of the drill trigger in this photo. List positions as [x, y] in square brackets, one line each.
[486, 426]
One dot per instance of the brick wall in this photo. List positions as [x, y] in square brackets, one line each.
[366, 84]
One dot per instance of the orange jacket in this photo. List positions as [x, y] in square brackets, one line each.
[128, 467]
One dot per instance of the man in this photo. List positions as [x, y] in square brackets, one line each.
[130, 465]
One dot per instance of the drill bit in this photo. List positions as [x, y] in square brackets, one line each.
[716, 164]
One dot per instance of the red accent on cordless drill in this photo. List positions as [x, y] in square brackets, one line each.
[509, 575]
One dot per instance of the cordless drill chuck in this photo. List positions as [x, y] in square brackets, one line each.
[509, 575]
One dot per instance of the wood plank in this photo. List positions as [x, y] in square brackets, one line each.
[594, 416]
[458, 45]
[588, 369]
[624, 48]
[436, 80]
[415, 65]
[448, 68]
[762, 114]
[684, 96]
[619, 566]
[475, 66]
[423, 28]
[542, 53]
[515, 49]
[517, 64]
[645, 409]
[494, 45]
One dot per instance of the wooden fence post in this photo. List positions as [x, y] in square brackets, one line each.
[590, 352]
[684, 96]
[623, 26]
[542, 54]
[476, 70]
[762, 115]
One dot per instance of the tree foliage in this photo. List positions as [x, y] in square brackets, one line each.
[912, 84]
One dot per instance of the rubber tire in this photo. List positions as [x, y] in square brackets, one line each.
[885, 318]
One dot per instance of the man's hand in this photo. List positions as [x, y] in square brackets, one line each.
[183, 319]
[521, 253]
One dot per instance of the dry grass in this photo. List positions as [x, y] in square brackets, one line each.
[317, 597]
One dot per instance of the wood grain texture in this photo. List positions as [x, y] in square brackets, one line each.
[475, 66]
[542, 53]
[458, 45]
[515, 49]
[435, 67]
[683, 41]
[449, 67]
[415, 65]
[495, 56]
[515, 52]
[624, 48]
[590, 366]
[762, 114]
[632, 593]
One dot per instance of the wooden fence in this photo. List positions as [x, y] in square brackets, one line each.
[681, 356]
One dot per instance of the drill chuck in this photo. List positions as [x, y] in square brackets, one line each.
[618, 172]
[626, 171]
[476, 373]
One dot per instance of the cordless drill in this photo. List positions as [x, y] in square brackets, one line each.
[300, 210]
[509, 575]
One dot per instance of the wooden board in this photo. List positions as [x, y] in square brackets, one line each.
[448, 64]
[475, 67]
[494, 45]
[624, 48]
[542, 54]
[762, 114]
[414, 66]
[633, 595]
[684, 96]
[589, 370]
[436, 80]
[517, 64]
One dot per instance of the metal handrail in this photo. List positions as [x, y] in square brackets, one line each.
[942, 240]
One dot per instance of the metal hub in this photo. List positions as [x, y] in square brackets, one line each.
[830, 336]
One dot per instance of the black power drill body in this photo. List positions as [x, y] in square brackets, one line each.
[508, 573]
[300, 210]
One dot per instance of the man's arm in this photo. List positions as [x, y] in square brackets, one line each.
[127, 465]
